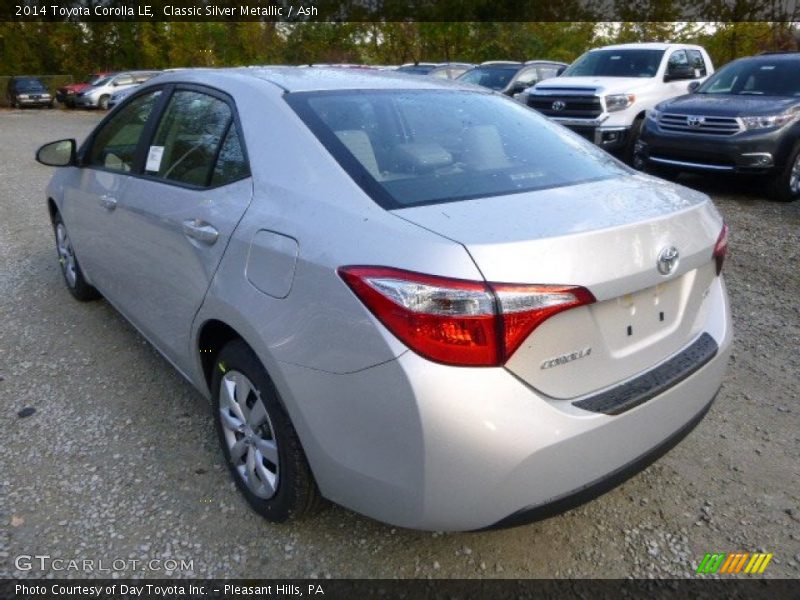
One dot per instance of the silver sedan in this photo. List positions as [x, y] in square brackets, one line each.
[417, 299]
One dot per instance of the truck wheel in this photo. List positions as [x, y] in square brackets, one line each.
[630, 156]
[786, 185]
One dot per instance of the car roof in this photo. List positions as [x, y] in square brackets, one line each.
[773, 56]
[313, 79]
[648, 46]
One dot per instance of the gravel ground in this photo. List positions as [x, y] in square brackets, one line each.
[120, 461]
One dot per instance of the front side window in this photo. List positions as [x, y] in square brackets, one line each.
[114, 146]
[547, 73]
[678, 59]
[416, 147]
[616, 63]
[696, 60]
[185, 146]
[494, 78]
[527, 76]
[755, 77]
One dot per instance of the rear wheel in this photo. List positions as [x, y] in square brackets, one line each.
[786, 185]
[70, 267]
[260, 444]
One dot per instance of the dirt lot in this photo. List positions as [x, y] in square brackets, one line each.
[120, 462]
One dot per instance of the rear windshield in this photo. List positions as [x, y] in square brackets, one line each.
[408, 148]
[494, 78]
[616, 63]
[756, 77]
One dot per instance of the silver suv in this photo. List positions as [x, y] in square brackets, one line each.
[418, 299]
[98, 95]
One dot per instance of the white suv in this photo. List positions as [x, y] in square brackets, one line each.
[605, 93]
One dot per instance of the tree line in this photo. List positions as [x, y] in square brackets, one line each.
[76, 48]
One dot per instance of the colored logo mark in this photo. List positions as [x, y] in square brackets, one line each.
[735, 562]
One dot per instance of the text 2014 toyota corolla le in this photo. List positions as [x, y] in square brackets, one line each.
[420, 300]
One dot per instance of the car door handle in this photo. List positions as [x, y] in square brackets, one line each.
[200, 231]
[108, 202]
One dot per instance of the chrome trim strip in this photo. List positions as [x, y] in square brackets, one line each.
[680, 163]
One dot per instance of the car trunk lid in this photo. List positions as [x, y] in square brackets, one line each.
[605, 236]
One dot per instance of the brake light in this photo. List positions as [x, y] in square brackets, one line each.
[455, 321]
[721, 248]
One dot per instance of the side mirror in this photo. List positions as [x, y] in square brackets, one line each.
[678, 72]
[693, 86]
[58, 154]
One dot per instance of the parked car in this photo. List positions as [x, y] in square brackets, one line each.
[66, 93]
[450, 70]
[418, 68]
[120, 95]
[745, 119]
[362, 294]
[605, 94]
[25, 91]
[511, 77]
[99, 94]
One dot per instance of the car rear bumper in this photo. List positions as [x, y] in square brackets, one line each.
[429, 446]
[745, 153]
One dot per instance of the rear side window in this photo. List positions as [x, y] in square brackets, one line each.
[188, 138]
[407, 148]
[114, 146]
[231, 163]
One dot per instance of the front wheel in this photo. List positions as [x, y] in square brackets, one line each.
[786, 185]
[102, 104]
[260, 444]
[70, 267]
[630, 156]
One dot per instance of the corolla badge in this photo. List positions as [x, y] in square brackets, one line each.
[667, 260]
[559, 105]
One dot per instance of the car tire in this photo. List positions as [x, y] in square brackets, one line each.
[260, 445]
[70, 267]
[102, 104]
[629, 155]
[785, 187]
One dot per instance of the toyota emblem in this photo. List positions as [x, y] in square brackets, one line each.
[559, 105]
[667, 260]
[695, 121]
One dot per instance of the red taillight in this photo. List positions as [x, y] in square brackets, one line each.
[454, 321]
[721, 248]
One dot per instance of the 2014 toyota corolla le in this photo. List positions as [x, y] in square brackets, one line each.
[420, 300]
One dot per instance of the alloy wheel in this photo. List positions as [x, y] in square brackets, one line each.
[249, 434]
[66, 256]
[794, 177]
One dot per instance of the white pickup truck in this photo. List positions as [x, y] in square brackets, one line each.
[605, 93]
